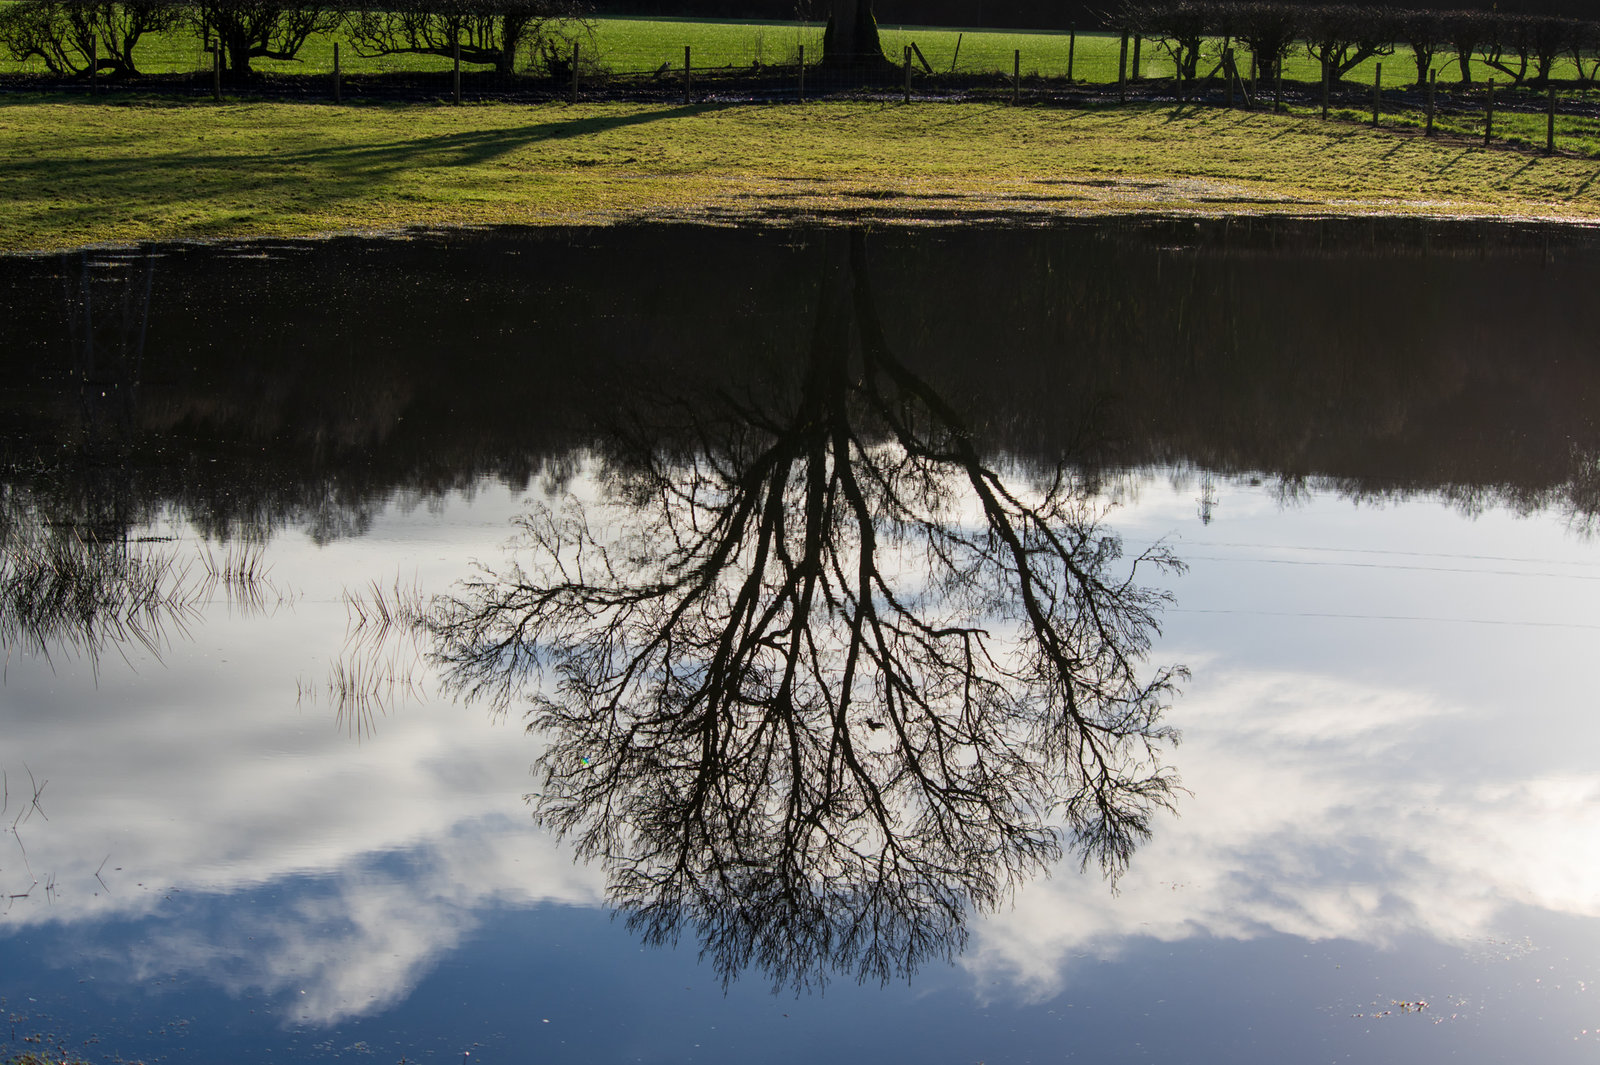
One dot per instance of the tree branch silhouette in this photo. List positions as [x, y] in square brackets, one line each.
[822, 679]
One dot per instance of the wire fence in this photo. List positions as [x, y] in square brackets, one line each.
[613, 48]
[782, 62]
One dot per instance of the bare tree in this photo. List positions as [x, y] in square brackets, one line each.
[820, 678]
[1341, 37]
[1468, 30]
[1268, 30]
[260, 29]
[1180, 28]
[1584, 48]
[1506, 45]
[1517, 43]
[489, 32]
[1427, 34]
[70, 36]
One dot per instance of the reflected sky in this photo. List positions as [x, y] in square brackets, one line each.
[1377, 814]
[259, 837]
[1379, 745]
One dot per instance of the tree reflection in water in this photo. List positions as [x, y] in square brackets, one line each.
[818, 678]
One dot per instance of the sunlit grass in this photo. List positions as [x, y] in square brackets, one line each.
[81, 172]
[1574, 134]
[1093, 56]
[636, 45]
[632, 45]
[642, 45]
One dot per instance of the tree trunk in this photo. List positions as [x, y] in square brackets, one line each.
[512, 28]
[1424, 58]
[851, 38]
[236, 47]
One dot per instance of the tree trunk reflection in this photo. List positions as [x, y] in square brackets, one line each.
[818, 677]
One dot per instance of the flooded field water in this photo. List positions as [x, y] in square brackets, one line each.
[1158, 641]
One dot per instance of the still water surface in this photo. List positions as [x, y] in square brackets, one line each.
[261, 514]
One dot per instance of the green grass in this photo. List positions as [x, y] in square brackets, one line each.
[1575, 134]
[1094, 55]
[80, 172]
[628, 45]
[625, 45]
[631, 45]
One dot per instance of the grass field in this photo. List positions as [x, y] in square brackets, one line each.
[1579, 135]
[626, 45]
[629, 45]
[80, 172]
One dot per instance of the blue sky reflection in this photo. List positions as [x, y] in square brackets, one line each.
[1392, 799]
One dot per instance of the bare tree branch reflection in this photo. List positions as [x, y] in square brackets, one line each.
[820, 678]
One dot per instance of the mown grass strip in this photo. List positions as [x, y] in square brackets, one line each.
[80, 172]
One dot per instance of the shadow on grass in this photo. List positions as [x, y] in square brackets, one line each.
[469, 146]
[1523, 169]
[1588, 181]
[79, 169]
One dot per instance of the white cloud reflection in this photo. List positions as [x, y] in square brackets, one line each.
[1365, 802]
[1433, 786]
[361, 941]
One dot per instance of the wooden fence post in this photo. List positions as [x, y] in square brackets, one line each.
[337, 95]
[1016, 75]
[1550, 124]
[907, 97]
[1277, 93]
[1122, 70]
[688, 78]
[1326, 87]
[802, 73]
[1377, 93]
[1488, 115]
[94, 64]
[1072, 48]
[216, 70]
[574, 71]
[455, 74]
[1227, 72]
[1137, 41]
[1433, 79]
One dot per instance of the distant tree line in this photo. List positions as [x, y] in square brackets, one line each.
[1524, 48]
[352, 397]
[1024, 14]
[71, 37]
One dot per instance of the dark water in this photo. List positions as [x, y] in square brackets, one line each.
[859, 588]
